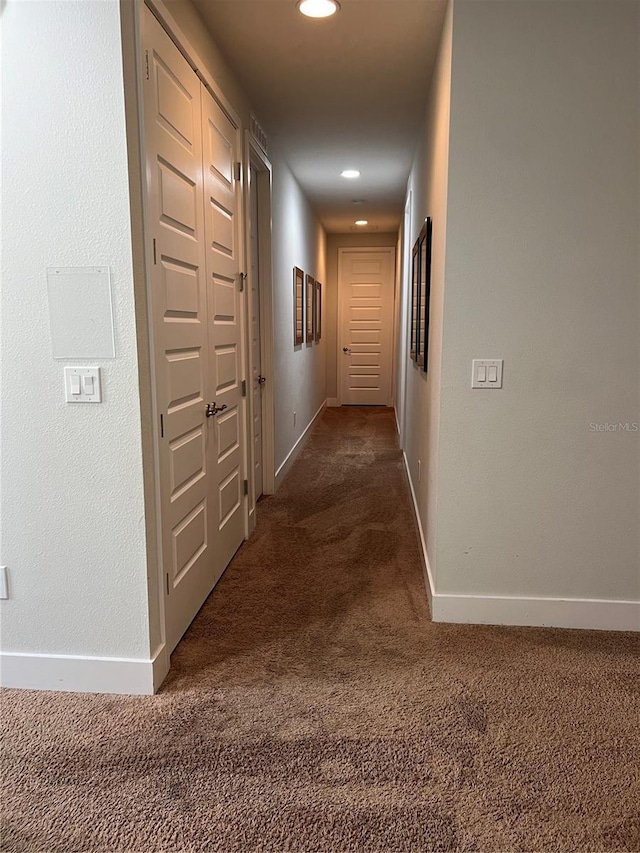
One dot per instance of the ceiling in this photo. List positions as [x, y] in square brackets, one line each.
[343, 92]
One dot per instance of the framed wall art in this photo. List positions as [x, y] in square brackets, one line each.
[298, 306]
[415, 299]
[309, 307]
[424, 290]
[317, 312]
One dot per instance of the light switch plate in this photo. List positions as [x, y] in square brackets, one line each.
[486, 373]
[79, 379]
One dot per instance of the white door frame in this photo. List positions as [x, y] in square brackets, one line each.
[369, 249]
[168, 22]
[404, 319]
[255, 158]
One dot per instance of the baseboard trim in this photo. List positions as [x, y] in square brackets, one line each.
[84, 674]
[282, 471]
[539, 612]
[333, 403]
[395, 412]
[426, 567]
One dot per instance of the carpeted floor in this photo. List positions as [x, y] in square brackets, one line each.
[313, 706]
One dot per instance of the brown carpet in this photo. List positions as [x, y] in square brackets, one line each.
[313, 706]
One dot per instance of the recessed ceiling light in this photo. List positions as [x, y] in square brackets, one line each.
[362, 221]
[318, 8]
[350, 173]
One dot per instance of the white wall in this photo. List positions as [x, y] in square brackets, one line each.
[73, 532]
[533, 518]
[428, 188]
[300, 381]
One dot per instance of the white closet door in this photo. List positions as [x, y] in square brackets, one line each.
[227, 430]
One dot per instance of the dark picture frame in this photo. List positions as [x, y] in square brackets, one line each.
[424, 289]
[415, 300]
[298, 306]
[309, 308]
[317, 312]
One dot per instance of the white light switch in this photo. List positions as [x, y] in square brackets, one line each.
[486, 373]
[82, 385]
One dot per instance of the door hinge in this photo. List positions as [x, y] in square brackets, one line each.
[246, 487]
[154, 252]
[238, 171]
[243, 279]
[244, 387]
[161, 426]
[146, 62]
[167, 583]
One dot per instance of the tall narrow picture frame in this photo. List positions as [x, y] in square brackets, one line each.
[317, 312]
[309, 308]
[415, 300]
[298, 306]
[424, 289]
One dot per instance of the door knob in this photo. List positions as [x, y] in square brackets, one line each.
[262, 380]
[346, 349]
[211, 409]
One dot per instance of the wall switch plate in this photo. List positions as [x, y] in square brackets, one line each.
[82, 385]
[486, 373]
[4, 583]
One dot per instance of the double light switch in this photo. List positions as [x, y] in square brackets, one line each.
[82, 385]
[486, 373]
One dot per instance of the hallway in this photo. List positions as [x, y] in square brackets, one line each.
[313, 706]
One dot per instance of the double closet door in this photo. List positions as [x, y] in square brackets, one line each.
[193, 225]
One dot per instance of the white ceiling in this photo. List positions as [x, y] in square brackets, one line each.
[344, 92]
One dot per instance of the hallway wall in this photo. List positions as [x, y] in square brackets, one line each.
[428, 186]
[330, 333]
[73, 532]
[533, 517]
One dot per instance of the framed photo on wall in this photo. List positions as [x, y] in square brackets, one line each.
[298, 306]
[317, 312]
[424, 290]
[415, 300]
[309, 307]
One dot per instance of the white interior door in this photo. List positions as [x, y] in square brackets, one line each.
[256, 348]
[177, 281]
[365, 338]
[223, 264]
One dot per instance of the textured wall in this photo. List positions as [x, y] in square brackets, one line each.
[428, 188]
[73, 532]
[542, 270]
[300, 373]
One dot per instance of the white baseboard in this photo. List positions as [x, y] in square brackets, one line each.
[584, 613]
[83, 674]
[395, 412]
[281, 473]
[333, 403]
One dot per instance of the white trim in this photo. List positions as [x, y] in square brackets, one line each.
[426, 567]
[297, 447]
[584, 613]
[255, 158]
[395, 413]
[333, 403]
[84, 674]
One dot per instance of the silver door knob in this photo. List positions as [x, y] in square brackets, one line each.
[346, 349]
[212, 409]
[262, 380]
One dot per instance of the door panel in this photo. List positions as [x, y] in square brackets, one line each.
[223, 265]
[179, 323]
[256, 344]
[366, 292]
